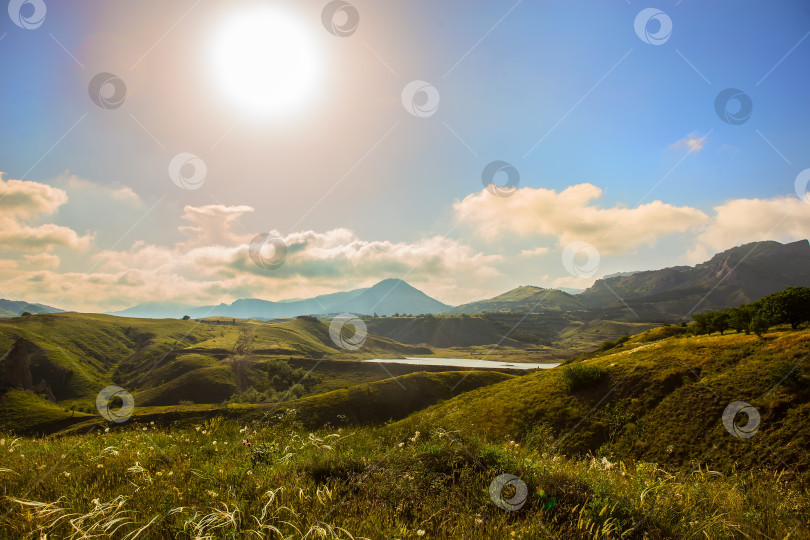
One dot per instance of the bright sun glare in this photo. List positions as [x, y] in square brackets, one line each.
[266, 61]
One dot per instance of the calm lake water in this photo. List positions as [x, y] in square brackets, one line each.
[461, 362]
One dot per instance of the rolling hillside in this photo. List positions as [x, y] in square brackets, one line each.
[658, 398]
[523, 300]
[78, 354]
[15, 308]
[565, 332]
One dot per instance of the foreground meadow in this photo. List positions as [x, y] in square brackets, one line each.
[275, 479]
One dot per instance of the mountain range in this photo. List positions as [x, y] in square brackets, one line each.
[735, 276]
[388, 297]
[15, 308]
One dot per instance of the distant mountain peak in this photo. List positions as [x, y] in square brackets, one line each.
[387, 297]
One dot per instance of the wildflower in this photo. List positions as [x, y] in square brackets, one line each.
[67, 474]
[401, 444]
[2, 442]
[478, 521]
[100, 466]
[170, 473]
[145, 428]
[106, 430]
[420, 532]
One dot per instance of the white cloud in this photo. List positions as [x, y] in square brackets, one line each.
[22, 201]
[573, 214]
[693, 142]
[740, 221]
[84, 189]
[213, 265]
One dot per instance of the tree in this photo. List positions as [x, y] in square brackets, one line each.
[790, 306]
[25, 314]
[186, 317]
[740, 318]
[759, 323]
[720, 321]
[703, 323]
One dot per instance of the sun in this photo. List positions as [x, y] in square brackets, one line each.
[266, 61]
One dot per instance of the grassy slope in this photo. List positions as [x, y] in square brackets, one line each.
[523, 299]
[78, 354]
[406, 480]
[22, 410]
[662, 401]
[378, 401]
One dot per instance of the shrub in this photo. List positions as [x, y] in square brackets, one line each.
[580, 376]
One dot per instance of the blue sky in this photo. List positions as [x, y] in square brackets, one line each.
[566, 92]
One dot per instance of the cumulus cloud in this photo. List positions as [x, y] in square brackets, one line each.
[213, 265]
[741, 221]
[22, 201]
[87, 190]
[693, 142]
[574, 214]
[212, 225]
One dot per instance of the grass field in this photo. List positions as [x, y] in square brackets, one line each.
[626, 442]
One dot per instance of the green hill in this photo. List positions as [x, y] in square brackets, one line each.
[78, 354]
[658, 400]
[523, 299]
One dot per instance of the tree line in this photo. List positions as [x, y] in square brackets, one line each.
[790, 306]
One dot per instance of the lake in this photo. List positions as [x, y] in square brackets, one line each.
[461, 362]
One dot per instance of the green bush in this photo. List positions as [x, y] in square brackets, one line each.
[580, 376]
